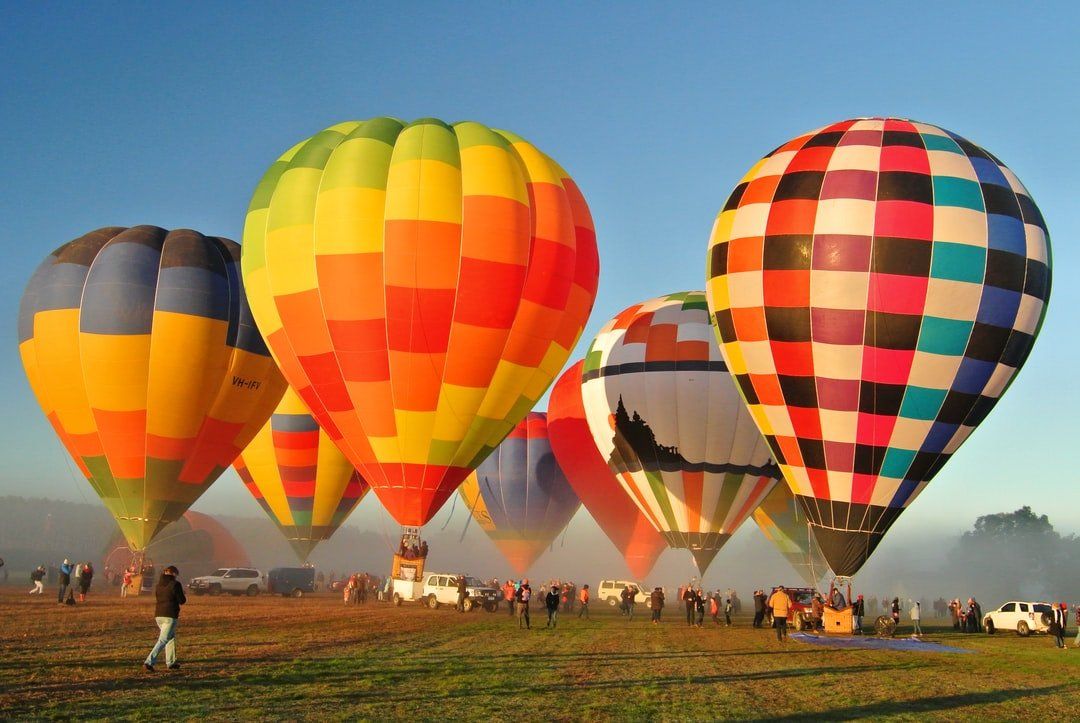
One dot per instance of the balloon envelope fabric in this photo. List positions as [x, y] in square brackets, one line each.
[783, 522]
[421, 286]
[593, 481]
[301, 479]
[519, 494]
[875, 284]
[140, 349]
[665, 413]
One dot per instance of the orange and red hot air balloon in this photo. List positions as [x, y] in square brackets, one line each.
[420, 285]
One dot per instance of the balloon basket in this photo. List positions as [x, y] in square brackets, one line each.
[135, 586]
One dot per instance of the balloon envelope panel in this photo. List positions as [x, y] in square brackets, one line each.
[665, 413]
[299, 477]
[782, 520]
[875, 284]
[519, 494]
[593, 481]
[420, 285]
[140, 350]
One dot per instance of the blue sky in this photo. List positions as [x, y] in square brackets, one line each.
[168, 114]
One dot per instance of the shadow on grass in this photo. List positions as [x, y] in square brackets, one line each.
[922, 705]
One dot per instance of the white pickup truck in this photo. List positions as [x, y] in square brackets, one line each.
[442, 589]
[233, 580]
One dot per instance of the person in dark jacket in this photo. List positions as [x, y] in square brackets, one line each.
[64, 580]
[699, 607]
[170, 596]
[689, 597]
[759, 608]
[551, 601]
[462, 593]
[857, 612]
[656, 602]
[86, 576]
[523, 596]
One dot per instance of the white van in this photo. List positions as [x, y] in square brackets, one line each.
[610, 591]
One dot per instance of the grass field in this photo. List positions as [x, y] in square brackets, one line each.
[315, 659]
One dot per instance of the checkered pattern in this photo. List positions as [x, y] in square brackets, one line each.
[420, 286]
[520, 496]
[875, 284]
[299, 477]
[660, 361]
[140, 349]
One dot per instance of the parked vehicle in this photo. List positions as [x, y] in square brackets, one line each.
[1023, 617]
[232, 580]
[291, 581]
[442, 589]
[800, 614]
[610, 591]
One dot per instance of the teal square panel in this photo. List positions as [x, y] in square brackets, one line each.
[934, 142]
[958, 262]
[922, 403]
[897, 462]
[944, 336]
[951, 191]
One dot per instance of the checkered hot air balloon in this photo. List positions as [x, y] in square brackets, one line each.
[300, 478]
[594, 483]
[140, 349]
[665, 414]
[876, 284]
[421, 286]
[519, 494]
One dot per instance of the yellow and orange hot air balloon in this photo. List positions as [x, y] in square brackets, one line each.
[140, 349]
[302, 481]
[421, 286]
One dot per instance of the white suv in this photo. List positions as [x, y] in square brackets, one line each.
[610, 591]
[233, 580]
[442, 589]
[1023, 617]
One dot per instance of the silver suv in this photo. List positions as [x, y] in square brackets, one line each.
[233, 580]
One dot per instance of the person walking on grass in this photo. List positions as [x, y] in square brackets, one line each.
[780, 604]
[64, 580]
[759, 607]
[656, 602]
[584, 599]
[1057, 627]
[37, 576]
[551, 602]
[169, 594]
[462, 593]
[714, 608]
[86, 576]
[688, 598]
[699, 606]
[522, 597]
[728, 605]
[916, 618]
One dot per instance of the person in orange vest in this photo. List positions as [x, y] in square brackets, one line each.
[584, 602]
[781, 605]
[508, 595]
[714, 608]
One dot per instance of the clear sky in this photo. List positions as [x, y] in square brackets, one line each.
[162, 113]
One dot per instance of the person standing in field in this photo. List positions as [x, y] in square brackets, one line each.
[688, 598]
[1076, 619]
[169, 595]
[584, 600]
[656, 602]
[86, 576]
[125, 581]
[728, 606]
[896, 610]
[759, 607]
[64, 580]
[551, 602]
[699, 606]
[714, 607]
[916, 619]
[780, 604]
[37, 576]
[857, 612]
[523, 595]
[462, 593]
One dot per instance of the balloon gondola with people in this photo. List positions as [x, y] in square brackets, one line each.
[420, 286]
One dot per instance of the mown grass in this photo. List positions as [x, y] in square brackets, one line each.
[315, 659]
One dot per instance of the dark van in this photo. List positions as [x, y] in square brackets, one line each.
[294, 581]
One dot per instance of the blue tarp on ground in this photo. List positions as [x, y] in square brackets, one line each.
[872, 643]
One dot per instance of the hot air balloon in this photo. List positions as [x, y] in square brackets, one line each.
[519, 494]
[876, 284]
[593, 482]
[421, 286]
[302, 481]
[782, 521]
[665, 414]
[196, 543]
[140, 350]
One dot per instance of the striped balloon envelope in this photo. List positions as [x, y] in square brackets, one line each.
[783, 522]
[299, 477]
[666, 415]
[140, 349]
[421, 286]
[876, 284]
[519, 495]
[594, 483]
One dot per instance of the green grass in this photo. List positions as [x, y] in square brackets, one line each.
[315, 659]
